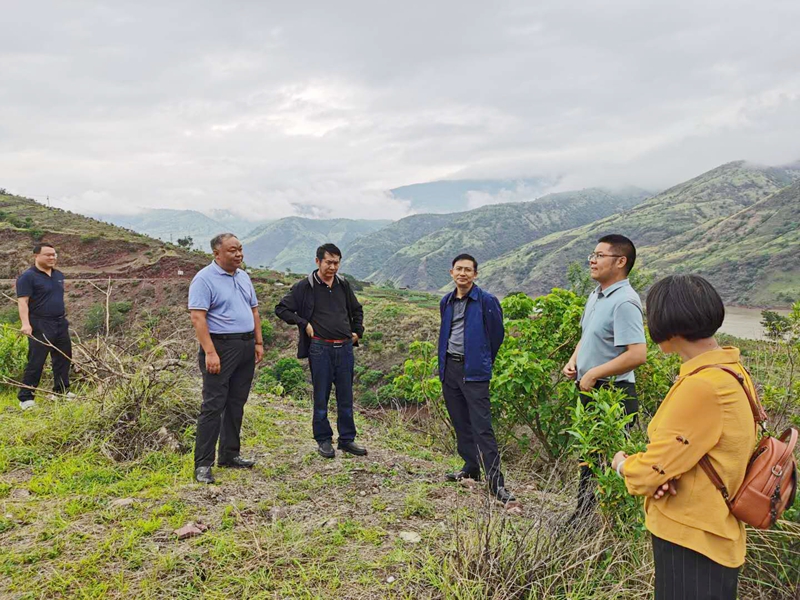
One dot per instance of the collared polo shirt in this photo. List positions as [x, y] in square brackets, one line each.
[612, 320]
[330, 319]
[45, 292]
[228, 299]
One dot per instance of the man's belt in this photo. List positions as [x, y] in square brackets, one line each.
[326, 342]
[47, 318]
[233, 336]
[456, 357]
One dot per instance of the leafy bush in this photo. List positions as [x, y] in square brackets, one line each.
[528, 390]
[13, 353]
[267, 331]
[599, 430]
[517, 306]
[96, 317]
[371, 377]
[419, 383]
[289, 373]
[267, 383]
[10, 315]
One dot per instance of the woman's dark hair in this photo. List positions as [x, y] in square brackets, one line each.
[330, 249]
[683, 305]
[465, 256]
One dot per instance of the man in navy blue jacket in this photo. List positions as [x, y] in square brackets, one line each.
[470, 335]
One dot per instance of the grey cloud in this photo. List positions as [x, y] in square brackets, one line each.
[316, 108]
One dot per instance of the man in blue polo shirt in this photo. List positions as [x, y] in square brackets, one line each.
[224, 311]
[40, 299]
[612, 341]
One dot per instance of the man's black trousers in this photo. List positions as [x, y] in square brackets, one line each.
[224, 396]
[470, 412]
[586, 483]
[47, 332]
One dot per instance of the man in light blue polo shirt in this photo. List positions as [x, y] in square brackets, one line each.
[612, 339]
[224, 311]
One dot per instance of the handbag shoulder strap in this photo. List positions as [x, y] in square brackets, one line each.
[759, 416]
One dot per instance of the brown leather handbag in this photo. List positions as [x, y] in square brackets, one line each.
[770, 481]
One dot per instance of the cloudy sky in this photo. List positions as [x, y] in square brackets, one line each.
[316, 108]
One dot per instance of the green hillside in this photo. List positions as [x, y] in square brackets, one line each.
[490, 231]
[369, 253]
[659, 226]
[290, 243]
[751, 256]
[86, 246]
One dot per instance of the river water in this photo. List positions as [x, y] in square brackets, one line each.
[745, 322]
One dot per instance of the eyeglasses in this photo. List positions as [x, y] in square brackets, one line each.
[599, 255]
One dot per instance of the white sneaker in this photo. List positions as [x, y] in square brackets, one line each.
[25, 405]
[71, 396]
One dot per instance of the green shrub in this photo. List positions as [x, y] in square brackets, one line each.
[371, 377]
[96, 317]
[10, 315]
[267, 383]
[13, 353]
[599, 430]
[517, 306]
[289, 373]
[267, 331]
[529, 392]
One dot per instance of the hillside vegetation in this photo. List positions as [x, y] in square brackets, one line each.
[92, 490]
[751, 256]
[659, 227]
[87, 247]
[291, 243]
[486, 233]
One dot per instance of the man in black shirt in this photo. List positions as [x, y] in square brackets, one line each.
[40, 299]
[330, 322]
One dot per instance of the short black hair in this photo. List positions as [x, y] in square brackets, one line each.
[465, 256]
[621, 245]
[37, 249]
[217, 240]
[683, 305]
[330, 249]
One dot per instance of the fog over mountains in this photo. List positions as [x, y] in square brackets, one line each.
[736, 224]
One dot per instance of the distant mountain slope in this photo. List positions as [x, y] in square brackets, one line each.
[172, 225]
[751, 257]
[454, 195]
[86, 247]
[656, 226]
[486, 233]
[367, 254]
[291, 243]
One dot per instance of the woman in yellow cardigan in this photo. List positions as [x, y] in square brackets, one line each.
[698, 545]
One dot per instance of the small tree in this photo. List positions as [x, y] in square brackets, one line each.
[186, 242]
[775, 326]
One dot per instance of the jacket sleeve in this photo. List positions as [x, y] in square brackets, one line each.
[357, 313]
[494, 321]
[689, 428]
[287, 308]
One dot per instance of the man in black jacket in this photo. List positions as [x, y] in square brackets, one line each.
[329, 319]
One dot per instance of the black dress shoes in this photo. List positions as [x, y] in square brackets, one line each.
[325, 449]
[352, 448]
[203, 475]
[462, 474]
[503, 496]
[237, 462]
